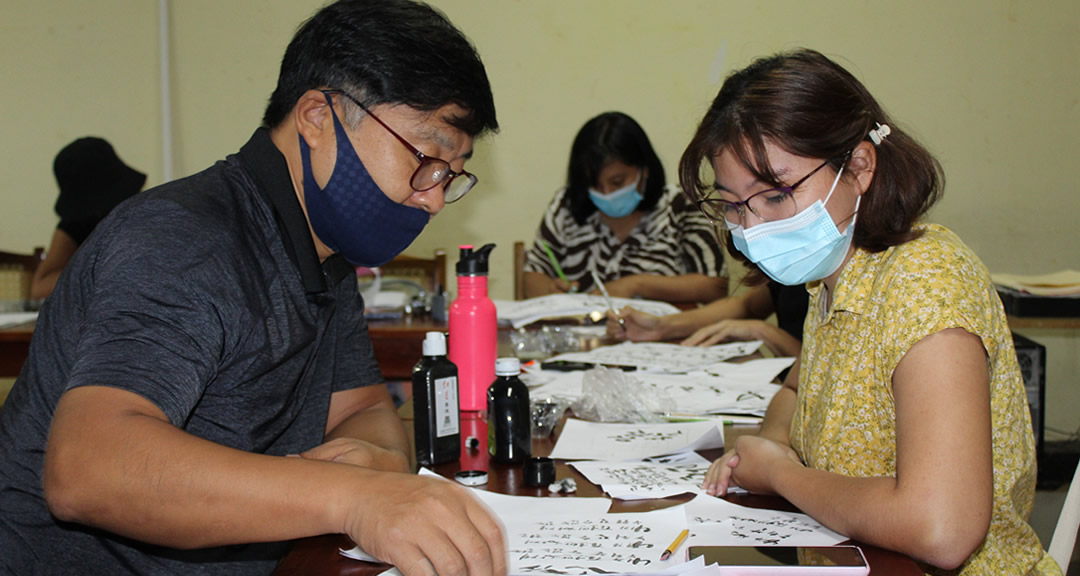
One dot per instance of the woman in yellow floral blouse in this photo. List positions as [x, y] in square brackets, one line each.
[908, 426]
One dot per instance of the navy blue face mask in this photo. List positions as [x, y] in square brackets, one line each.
[351, 215]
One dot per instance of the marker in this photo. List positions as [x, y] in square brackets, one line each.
[610, 304]
[674, 545]
[555, 263]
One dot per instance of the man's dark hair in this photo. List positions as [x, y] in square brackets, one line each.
[386, 52]
[610, 136]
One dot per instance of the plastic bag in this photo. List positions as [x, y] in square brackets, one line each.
[611, 395]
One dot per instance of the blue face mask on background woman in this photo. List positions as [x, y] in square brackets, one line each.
[351, 215]
[800, 249]
[620, 202]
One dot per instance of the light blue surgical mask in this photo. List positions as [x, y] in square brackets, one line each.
[620, 202]
[804, 248]
[351, 214]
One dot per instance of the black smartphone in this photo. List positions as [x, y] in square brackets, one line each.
[567, 366]
[755, 560]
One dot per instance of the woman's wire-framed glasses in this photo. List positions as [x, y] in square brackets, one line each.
[768, 205]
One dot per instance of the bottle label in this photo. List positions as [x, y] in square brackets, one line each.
[446, 407]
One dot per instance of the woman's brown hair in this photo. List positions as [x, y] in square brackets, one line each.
[810, 106]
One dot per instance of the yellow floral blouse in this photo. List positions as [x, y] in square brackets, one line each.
[845, 420]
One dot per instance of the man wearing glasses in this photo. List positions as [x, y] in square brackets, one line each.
[201, 387]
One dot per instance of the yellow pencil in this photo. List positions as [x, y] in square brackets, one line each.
[674, 545]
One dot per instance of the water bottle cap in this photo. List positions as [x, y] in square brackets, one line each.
[507, 367]
[434, 344]
[473, 263]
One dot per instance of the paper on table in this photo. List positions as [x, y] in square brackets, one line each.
[662, 356]
[505, 506]
[1061, 283]
[15, 318]
[581, 440]
[717, 522]
[696, 392]
[642, 480]
[627, 543]
[522, 312]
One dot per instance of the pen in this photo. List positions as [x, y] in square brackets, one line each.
[674, 545]
[610, 304]
[555, 263]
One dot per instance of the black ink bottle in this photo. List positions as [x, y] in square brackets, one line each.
[435, 405]
[509, 435]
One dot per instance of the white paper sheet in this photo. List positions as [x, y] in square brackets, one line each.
[588, 544]
[662, 356]
[8, 319]
[642, 480]
[737, 391]
[519, 313]
[581, 440]
[717, 522]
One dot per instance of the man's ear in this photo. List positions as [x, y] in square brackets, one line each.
[313, 119]
[862, 164]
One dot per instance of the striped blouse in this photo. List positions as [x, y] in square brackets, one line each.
[674, 238]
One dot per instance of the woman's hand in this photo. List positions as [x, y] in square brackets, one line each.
[560, 286]
[718, 478]
[724, 331]
[640, 326]
[757, 461]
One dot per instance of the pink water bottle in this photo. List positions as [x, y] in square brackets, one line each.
[473, 329]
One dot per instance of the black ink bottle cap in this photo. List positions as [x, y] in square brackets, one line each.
[472, 477]
[539, 471]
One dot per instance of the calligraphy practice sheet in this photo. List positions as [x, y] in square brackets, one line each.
[627, 543]
[662, 356]
[726, 388]
[520, 313]
[641, 480]
[717, 522]
[581, 440]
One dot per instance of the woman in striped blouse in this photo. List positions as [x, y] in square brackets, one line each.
[616, 216]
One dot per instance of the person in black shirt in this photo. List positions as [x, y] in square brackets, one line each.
[201, 387]
[92, 181]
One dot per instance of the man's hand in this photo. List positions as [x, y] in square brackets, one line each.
[359, 453]
[427, 527]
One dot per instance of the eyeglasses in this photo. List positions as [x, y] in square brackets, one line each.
[432, 171]
[768, 205]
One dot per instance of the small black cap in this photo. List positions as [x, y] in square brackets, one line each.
[474, 263]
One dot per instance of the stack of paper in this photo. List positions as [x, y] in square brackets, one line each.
[1060, 284]
[8, 319]
[519, 313]
[578, 536]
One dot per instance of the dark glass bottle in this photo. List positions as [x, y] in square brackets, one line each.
[436, 427]
[509, 436]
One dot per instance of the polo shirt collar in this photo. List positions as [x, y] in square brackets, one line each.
[271, 173]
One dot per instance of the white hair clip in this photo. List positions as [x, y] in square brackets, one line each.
[878, 134]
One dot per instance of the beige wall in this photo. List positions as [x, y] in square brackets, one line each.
[988, 85]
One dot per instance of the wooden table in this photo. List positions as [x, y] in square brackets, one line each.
[318, 556]
[399, 343]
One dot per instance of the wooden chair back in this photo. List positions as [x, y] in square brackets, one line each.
[428, 272]
[519, 270]
[16, 273]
